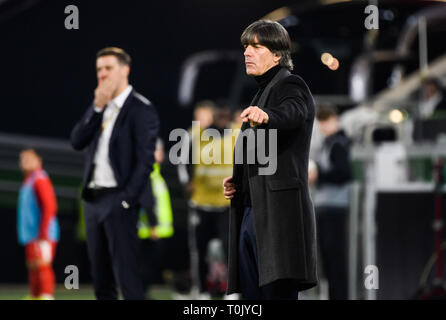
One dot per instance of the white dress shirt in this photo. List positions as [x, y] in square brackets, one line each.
[103, 175]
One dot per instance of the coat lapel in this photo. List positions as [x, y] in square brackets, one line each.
[265, 94]
[283, 73]
[263, 98]
[261, 103]
[121, 116]
[245, 125]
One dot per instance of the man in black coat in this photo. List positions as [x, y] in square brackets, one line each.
[118, 131]
[272, 233]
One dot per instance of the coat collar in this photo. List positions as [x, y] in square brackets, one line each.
[122, 97]
[121, 116]
[279, 75]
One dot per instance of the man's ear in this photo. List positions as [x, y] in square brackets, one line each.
[127, 70]
[276, 57]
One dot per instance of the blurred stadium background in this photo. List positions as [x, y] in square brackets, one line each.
[184, 52]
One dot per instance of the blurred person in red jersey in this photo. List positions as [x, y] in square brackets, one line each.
[37, 225]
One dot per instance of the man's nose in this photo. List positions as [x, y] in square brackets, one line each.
[102, 74]
[247, 51]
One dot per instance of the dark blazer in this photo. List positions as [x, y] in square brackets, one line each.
[131, 149]
[284, 218]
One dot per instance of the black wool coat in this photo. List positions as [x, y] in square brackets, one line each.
[284, 219]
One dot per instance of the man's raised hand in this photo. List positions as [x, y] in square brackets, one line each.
[103, 93]
[254, 115]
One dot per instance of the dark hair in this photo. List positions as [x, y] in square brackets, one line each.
[122, 56]
[325, 111]
[206, 104]
[32, 150]
[272, 35]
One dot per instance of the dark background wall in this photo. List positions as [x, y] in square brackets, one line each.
[405, 243]
[48, 72]
[47, 79]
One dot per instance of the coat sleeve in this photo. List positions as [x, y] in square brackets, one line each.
[290, 105]
[146, 128]
[84, 131]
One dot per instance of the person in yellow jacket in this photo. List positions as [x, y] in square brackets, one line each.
[155, 224]
[162, 205]
[208, 209]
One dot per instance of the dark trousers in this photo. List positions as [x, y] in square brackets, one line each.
[332, 235]
[211, 225]
[283, 289]
[112, 248]
[151, 261]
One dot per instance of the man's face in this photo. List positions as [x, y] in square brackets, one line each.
[108, 67]
[205, 116]
[259, 59]
[29, 161]
[329, 126]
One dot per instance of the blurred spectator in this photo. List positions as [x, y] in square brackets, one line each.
[222, 119]
[237, 121]
[433, 99]
[155, 224]
[204, 113]
[208, 207]
[37, 225]
[331, 172]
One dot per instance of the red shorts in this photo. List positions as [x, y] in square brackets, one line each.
[40, 250]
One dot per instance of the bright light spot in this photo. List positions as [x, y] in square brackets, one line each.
[326, 58]
[334, 65]
[396, 116]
